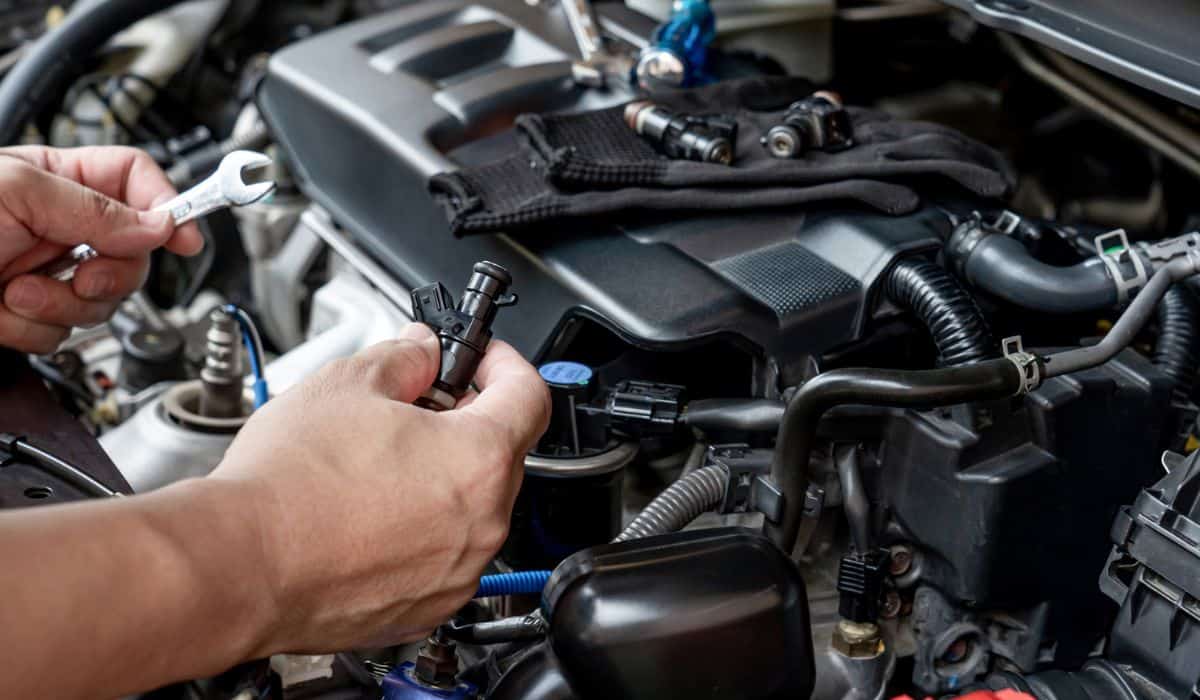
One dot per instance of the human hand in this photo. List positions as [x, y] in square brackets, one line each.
[52, 200]
[377, 517]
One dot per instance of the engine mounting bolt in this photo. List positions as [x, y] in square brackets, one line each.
[902, 559]
[437, 661]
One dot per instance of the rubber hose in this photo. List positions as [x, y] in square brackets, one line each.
[681, 503]
[1004, 267]
[749, 415]
[958, 327]
[515, 583]
[854, 497]
[921, 389]
[1177, 346]
[31, 87]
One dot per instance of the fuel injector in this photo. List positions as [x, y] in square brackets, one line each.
[464, 330]
[705, 139]
[818, 122]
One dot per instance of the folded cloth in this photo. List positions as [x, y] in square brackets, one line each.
[590, 164]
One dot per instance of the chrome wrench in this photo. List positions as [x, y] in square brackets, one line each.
[223, 189]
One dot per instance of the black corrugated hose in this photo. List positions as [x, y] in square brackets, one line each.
[1178, 340]
[958, 327]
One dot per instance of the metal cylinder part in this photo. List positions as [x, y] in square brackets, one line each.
[222, 373]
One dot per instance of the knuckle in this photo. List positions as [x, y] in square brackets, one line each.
[98, 205]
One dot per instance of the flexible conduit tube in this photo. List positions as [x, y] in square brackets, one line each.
[35, 82]
[515, 583]
[681, 503]
[959, 329]
[1177, 346]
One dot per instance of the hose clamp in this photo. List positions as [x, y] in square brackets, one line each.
[1112, 260]
[1027, 364]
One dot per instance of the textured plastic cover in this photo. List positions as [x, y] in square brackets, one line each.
[369, 111]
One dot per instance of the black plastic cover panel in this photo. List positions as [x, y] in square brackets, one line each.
[1151, 43]
[698, 614]
[368, 112]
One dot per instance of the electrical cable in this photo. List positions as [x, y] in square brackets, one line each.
[514, 583]
[54, 465]
[254, 347]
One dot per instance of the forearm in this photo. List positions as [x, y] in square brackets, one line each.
[134, 592]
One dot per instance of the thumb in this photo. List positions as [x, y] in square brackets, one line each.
[402, 369]
[64, 212]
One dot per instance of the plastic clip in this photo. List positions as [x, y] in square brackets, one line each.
[1112, 261]
[1026, 363]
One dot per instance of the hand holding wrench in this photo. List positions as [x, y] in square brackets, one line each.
[225, 188]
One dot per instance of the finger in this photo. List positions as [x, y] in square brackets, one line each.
[402, 369]
[47, 301]
[110, 279]
[125, 174]
[187, 239]
[40, 254]
[24, 335]
[512, 394]
[58, 210]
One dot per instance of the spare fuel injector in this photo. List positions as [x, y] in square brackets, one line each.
[705, 139]
[816, 123]
[464, 330]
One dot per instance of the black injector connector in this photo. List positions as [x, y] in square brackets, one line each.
[819, 122]
[464, 330]
[705, 139]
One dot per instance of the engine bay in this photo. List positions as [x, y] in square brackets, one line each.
[807, 450]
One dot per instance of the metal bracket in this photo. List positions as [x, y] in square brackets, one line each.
[1112, 261]
[1027, 363]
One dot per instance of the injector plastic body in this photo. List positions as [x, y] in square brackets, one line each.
[464, 330]
[819, 122]
[705, 139]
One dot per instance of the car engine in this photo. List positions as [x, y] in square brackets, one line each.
[796, 451]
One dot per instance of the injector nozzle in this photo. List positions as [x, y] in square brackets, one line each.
[705, 138]
[464, 330]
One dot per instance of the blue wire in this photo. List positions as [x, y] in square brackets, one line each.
[262, 393]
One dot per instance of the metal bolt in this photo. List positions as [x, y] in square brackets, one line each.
[892, 605]
[437, 661]
[857, 640]
[902, 559]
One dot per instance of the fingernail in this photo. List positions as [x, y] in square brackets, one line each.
[154, 219]
[96, 285]
[26, 295]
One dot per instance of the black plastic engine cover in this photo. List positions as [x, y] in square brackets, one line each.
[369, 111]
[1010, 513]
[717, 614]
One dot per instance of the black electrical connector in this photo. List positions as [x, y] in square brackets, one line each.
[860, 585]
[464, 330]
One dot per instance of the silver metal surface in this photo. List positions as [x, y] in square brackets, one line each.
[225, 188]
[603, 463]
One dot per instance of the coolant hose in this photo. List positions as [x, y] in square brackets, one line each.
[958, 327]
[922, 389]
[1004, 267]
[681, 503]
[58, 56]
[515, 583]
[1177, 346]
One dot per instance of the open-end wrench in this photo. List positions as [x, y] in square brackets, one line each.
[225, 188]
